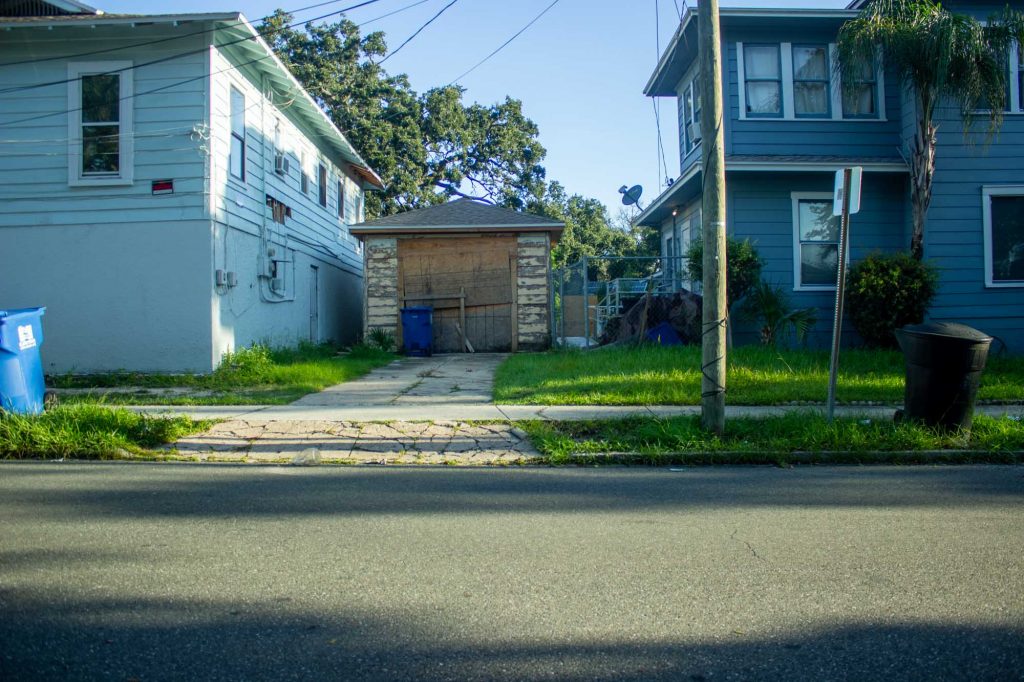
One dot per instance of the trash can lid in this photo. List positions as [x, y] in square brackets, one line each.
[418, 309]
[952, 330]
[15, 312]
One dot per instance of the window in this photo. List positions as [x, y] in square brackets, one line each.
[762, 72]
[303, 173]
[811, 94]
[341, 198]
[321, 176]
[860, 98]
[359, 206]
[1004, 235]
[236, 157]
[690, 101]
[1020, 78]
[816, 241]
[100, 124]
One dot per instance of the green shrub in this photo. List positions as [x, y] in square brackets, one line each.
[769, 306]
[245, 366]
[742, 260]
[885, 292]
[381, 339]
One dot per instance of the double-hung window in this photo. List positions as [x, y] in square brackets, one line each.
[762, 72]
[321, 176]
[690, 100]
[815, 241]
[1004, 235]
[303, 173]
[236, 156]
[860, 98]
[341, 198]
[811, 89]
[100, 123]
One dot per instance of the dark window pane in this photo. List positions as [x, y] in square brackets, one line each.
[100, 98]
[100, 149]
[1007, 239]
[236, 159]
[818, 263]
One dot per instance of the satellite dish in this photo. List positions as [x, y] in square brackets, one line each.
[632, 195]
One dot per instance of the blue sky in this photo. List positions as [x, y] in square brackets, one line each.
[579, 71]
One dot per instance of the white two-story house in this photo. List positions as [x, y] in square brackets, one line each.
[171, 191]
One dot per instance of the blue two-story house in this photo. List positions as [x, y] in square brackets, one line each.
[789, 127]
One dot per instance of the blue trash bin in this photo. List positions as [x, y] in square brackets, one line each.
[418, 330]
[22, 388]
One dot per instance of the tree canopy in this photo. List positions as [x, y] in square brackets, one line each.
[428, 147]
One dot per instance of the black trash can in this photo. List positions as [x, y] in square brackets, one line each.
[944, 362]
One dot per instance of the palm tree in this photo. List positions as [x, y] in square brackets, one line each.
[939, 56]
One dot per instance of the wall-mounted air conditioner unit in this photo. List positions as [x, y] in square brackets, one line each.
[694, 131]
[280, 164]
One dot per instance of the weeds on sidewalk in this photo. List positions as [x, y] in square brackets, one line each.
[89, 432]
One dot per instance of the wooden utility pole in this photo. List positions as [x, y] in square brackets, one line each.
[713, 345]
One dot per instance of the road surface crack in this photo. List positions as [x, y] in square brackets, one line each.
[749, 546]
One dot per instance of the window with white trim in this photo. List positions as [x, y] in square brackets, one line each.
[690, 98]
[341, 198]
[812, 96]
[100, 123]
[762, 70]
[304, 173]
[236, 155]
[815, 241]
[860, 98]
[321, 176]
[1004, 235]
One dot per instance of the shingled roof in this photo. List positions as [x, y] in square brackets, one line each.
[462, 215]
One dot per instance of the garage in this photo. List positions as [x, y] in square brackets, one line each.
[485, 271]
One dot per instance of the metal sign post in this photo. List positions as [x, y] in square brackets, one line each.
[845, 201]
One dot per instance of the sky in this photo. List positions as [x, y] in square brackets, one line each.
[579, 71]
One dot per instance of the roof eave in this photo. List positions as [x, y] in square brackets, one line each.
[443, 229]
[101, 19]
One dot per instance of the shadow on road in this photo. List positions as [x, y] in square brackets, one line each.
[233, 641]
[56, 490]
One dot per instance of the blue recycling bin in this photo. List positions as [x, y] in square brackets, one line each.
[418, 330]
[22, 388]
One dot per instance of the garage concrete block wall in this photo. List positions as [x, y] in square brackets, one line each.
[381, 284]
[532, 284]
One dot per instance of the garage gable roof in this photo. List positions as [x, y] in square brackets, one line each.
[462, 215]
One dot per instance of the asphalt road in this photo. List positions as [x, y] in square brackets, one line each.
[160, 572]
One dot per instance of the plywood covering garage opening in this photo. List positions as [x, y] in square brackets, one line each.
[484, 267]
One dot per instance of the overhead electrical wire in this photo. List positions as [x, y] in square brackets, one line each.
[408, 40]
[162, 60]
[662, 163]
[158, 41]
[505, 44]
[389, 14]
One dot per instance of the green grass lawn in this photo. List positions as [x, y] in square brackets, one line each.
[654, 375]
[771, 440]
[89, 432]
[252, 376]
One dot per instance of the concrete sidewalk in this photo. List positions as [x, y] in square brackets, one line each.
[458, 411]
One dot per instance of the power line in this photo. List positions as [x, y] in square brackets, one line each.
[505, 44]
[385, 16]
[158, 41]
[190, 52]
[138, 94]
[418, 31]
[660, 152]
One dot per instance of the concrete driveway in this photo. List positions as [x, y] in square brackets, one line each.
[182, 572]
[466, 379]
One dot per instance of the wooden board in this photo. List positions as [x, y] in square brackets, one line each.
[435, 266]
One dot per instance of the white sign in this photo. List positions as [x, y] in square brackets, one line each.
[26, 339]
[837, 200]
